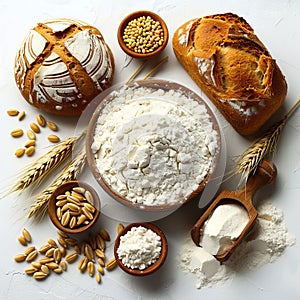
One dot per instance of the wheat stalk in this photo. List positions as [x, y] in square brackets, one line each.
[261, 148]
[137, 72]
[165, 59]
[38, 209]
[38, 169]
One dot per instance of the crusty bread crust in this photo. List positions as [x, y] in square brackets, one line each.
[62, 65]
[233, 68]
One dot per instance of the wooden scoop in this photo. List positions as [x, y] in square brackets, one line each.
[264, 175]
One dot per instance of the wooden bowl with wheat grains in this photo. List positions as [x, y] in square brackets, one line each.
[135, 247]
[143, 34]
[153, 145]
[77, 200]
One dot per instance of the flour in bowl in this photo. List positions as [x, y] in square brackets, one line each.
[154, 146]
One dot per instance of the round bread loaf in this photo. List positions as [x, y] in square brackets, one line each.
[62, 65]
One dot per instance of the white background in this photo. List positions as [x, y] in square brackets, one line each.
[277, 24]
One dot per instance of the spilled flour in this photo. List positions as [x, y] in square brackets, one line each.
[263, 245]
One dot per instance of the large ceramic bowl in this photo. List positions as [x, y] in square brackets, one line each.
[162, 92]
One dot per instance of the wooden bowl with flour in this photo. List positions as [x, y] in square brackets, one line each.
[153, 144]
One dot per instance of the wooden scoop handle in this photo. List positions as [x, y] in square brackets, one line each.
[265, 174]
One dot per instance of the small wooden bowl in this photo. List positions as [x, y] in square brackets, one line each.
[157, 264]
[133, 16]
[68, 187]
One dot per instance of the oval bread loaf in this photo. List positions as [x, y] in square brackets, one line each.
[233, 68]
[62, 65]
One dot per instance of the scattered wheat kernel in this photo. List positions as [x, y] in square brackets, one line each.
[22, 240]
[57, 270]
[98, 277]
[62, 234]
[39, 275]
[36, 264]
[91, 268]
[93, 242]
[31, 256]
[52, 126]
[31, 135]
[100, 253]
[100, 269]
[89, 252]
[21, 115]
[34, 127]
[26, 235]
[30, 150]
[63, 265]
[104, 234]
[71, 242]
[52, 265]
[53, 138]
[50, 252]
[41, 120]
[101, 262]
[45, 269]
[100, 242]
[111, 264]
[43, 249]
[63, 251]
[71, 257]
[83, 264]
[46, 260]
[30, 270]
[52, 243]
[12, 112]
[29, 250]
[77, 249]
[62, 242]
[20, 257]
[19, 152]
[29, 143]
[18, 132]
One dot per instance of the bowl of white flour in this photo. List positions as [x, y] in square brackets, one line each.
[153, 144]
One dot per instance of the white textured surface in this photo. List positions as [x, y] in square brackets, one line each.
[277, 24]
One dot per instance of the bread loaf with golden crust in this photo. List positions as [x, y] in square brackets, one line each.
[233, 68]
[62, 65]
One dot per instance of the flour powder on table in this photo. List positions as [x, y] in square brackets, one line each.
[264, 245]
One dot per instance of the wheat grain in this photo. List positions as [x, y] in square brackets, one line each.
[39, 208]
[261, 148]
[37, 170]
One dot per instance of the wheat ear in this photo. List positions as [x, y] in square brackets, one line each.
[38, 209]
[37, 170]
[261, 148]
